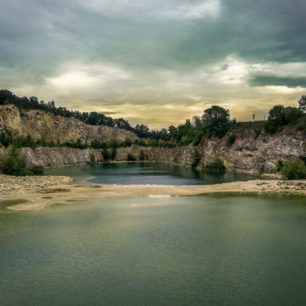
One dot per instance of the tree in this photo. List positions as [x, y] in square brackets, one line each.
[13, 162]
[302, 104]
[292, 114]
[216, 121]
[280, 116]
[5, 95]
[142, 130]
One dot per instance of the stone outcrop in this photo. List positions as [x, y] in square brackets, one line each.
[248, 154]
[58, 157]
[254, 154]
[57, 129]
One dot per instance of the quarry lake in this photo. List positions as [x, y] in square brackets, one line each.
[144, 173]
[200, 250]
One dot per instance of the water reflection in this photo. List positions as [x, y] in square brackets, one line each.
[144, 173]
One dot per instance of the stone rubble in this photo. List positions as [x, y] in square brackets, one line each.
[10, 184]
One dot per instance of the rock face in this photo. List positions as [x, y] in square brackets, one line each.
[43, 125]
[249, 154]
[255, 154]
[178, 156]
[57, 157]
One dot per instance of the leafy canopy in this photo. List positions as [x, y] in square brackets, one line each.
[216, 121]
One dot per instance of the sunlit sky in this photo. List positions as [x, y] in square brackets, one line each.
[155, 62]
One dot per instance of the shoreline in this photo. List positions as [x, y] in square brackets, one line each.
[41, 192]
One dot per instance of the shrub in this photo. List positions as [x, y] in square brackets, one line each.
[13, 162]
[216, 166]
[126, 143]
[303, 158]
[141, 155]
[301, 124]
[280, 164]
[231, 140]
[294, 170]
[280, 116]
[131, 157]
[37, 170]
[257, 132]
[105, 154]
[113, 153]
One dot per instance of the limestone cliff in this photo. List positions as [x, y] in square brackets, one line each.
[249, 153]
[58, 157]
[253, 154]
[39, 124]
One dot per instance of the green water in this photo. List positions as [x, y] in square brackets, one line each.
[144, 173]
[212, 250]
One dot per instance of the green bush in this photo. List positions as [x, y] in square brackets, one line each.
[13, 162]
[280, 116]
[113, 153]
[216, 166]
[106, 155]
[231, 140]
[37, 170]
[303, 158]
[131, 157]
[294, 170]
[141, 155]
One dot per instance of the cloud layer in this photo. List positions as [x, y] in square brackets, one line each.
[155, 61]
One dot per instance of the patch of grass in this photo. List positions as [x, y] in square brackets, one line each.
[258, 125]
[7, 203]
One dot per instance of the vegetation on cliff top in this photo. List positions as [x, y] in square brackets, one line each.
[215, 122]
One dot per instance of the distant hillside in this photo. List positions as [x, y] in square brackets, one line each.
[91, 118]
[51, 129]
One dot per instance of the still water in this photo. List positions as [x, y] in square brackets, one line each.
[143, 173]
[210, 250]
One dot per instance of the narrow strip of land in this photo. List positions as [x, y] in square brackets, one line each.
[44, 191]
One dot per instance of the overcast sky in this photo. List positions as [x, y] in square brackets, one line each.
[155, 61]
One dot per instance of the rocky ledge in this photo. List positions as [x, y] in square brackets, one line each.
[17, 184]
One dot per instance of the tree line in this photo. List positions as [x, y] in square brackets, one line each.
[215, 122]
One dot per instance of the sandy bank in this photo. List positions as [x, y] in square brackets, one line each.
[42, 191]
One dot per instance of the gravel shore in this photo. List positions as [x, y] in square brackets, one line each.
[44, 191]
[18, 184]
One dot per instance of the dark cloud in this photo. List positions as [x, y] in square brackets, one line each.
[41, 31]
[273, 80]
[147, 38]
